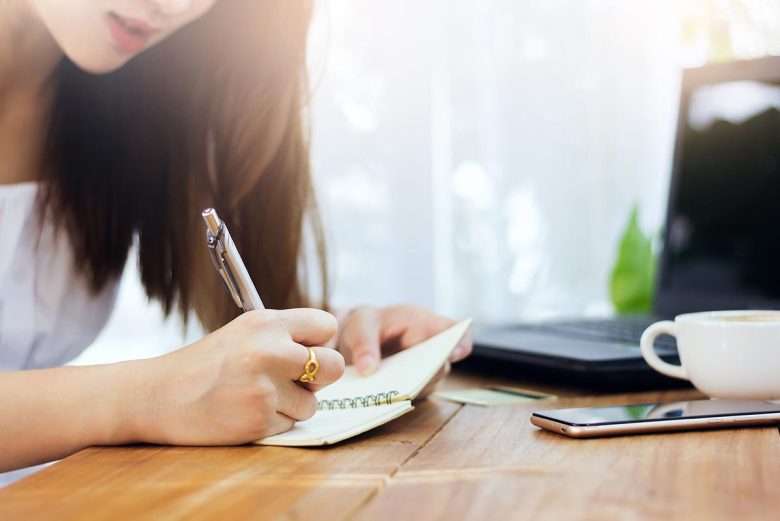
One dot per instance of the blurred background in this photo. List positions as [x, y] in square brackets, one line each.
[482, 157]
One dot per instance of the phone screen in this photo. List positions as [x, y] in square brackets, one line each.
[652, 412]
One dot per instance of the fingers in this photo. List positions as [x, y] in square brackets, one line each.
[305, 326]
[310, 327]
[331, 365]
[423, 324]
[464, 347]
[361, 338]
[369, 333]
[287, 363]
[296, 402]
[278, 424]
[434, 383]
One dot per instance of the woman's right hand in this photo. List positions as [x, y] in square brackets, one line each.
[238, 384]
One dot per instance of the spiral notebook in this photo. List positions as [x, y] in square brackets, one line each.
[356, 404]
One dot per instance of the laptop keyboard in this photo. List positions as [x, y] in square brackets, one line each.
[625, 330]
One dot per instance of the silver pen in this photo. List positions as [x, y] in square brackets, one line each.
[228, 263]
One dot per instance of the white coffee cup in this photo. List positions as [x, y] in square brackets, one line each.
[724, 354]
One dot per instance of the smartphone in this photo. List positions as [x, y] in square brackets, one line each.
[592, 422]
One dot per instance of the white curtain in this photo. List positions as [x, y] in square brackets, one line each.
[481, 156]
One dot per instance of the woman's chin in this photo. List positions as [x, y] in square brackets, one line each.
[98, 63]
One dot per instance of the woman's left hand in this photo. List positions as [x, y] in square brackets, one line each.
[367, 334]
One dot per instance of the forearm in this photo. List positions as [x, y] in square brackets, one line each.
[49, 414]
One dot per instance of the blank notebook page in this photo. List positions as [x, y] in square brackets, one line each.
[405, 373]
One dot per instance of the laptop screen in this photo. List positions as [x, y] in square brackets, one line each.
[722, 242]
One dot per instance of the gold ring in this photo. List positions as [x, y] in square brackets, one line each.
[310, 369]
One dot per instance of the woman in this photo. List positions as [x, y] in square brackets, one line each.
[101, 147]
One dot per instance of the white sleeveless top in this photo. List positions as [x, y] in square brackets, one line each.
[47, 314]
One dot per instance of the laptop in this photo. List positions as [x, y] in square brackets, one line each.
[721, 241]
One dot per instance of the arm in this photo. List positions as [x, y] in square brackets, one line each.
[234, 386]
[48, 414]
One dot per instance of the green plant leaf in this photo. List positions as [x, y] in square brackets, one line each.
[633, 276]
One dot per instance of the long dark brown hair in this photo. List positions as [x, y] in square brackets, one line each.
[210, 117]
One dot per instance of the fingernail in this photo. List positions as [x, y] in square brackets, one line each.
[458, 353]
[366, 364]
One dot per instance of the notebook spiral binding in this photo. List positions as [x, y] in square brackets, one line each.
[357, 401]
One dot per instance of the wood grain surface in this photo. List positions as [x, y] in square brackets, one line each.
[442, 461]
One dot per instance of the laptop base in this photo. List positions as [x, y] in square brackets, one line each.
[591, 377]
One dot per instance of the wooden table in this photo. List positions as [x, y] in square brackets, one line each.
[442, 461]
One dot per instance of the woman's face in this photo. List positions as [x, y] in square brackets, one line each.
[102, 35]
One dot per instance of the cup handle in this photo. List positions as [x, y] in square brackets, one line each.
[648, 352]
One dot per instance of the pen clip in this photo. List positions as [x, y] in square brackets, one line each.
[228, 263]
[217, 250]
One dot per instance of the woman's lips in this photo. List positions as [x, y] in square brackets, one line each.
[130, 35]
